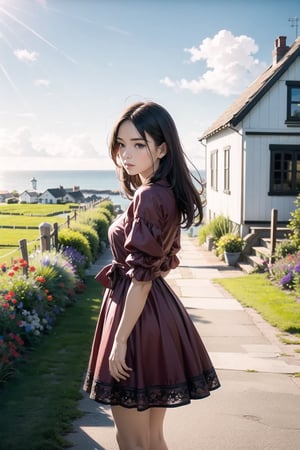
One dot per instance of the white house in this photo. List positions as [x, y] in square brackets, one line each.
[253, 148]
[28, 197]
[56, 195]
[4, 195]
[61, 195]
[74, 196]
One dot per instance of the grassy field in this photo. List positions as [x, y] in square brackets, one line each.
[26, 216]
[28, 221]
[280, 308]
[36, 209]
[40, 402]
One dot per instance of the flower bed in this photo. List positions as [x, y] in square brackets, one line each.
[285, 272]
[32, 295]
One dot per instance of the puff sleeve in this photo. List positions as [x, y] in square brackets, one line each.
[153, 234]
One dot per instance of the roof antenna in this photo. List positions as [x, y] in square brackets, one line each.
[294, 23]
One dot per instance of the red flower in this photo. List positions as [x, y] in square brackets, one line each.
[14, 301]
[5, 305]
[11, 273]
[23, 263]
[15, 268]
[40, 279]
[19, 339]
[49, 298]
[31, 269]
[5, 359]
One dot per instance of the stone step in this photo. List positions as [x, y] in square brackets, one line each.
[254, 261]
[261, 251]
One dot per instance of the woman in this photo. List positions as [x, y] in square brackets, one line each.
[147, 355]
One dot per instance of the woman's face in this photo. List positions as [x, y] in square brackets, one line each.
[137, 155]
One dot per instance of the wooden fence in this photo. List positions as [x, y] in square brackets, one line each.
[48, 234]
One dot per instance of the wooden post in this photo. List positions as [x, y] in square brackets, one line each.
[55, 235]
[68, 221]
[45, 229]
[274, 215]
[24, 253]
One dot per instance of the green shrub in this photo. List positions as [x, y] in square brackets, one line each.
[70, 238]
[108, 205]
[91, 234]
[285, 248]
[98, 221]
[294, 224]
[107, 213]
[216, 228]
[229, 242]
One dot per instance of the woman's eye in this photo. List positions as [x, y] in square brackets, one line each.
[139, 146]
[119, 145]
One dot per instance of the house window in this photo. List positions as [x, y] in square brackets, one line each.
[227, 170]
[285, 170]
[214, 170]
[293, 103]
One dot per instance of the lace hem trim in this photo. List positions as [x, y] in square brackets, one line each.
[152, 396]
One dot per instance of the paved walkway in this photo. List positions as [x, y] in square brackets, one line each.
[258, 405]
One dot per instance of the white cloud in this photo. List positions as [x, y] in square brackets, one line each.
[231, 66]
[26, 56]
[14, 144]
[22, 143]
[42, 83]
[42, 3]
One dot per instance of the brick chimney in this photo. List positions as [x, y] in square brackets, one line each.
[280, 49]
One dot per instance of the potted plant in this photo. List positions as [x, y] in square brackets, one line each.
[230, 245]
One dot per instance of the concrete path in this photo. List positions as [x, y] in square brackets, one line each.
[258, 405]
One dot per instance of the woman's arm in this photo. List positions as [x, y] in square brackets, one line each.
[134, 304]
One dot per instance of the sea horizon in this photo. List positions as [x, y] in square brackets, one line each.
[20, 180]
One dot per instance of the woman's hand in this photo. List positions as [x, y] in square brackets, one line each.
[117, 365]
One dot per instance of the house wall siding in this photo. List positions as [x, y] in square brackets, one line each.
[219, 202]
[249, 200]
[269, 114]
[258, 204]
[46, 197]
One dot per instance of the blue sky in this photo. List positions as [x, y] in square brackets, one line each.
[68, 68]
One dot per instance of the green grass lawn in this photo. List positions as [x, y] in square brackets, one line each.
[27, 216]
[27, 221]
[36, 209]
[276, 306]
[40, 402]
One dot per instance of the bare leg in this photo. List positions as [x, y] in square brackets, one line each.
[139, 430]
[133, 428]
[157, 440]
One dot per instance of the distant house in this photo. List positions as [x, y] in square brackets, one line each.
[253, 148]
[50, 196]
[74, 196]
[29, 197]
[4, 195]
[61, 195]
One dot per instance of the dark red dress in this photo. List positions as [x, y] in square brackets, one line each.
[169, 361]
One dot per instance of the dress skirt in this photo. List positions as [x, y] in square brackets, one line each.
[170, 364]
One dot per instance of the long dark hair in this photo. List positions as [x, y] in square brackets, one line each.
[151, 118]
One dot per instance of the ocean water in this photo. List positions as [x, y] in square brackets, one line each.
[20, 180]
